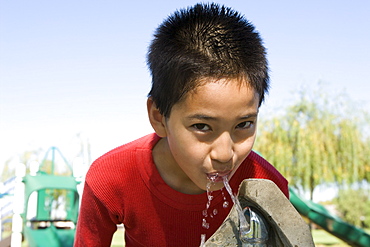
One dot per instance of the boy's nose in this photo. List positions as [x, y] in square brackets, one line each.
[223, 148]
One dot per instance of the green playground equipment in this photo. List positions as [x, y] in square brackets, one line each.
[331, 223]
[46, 229]
[51, 204]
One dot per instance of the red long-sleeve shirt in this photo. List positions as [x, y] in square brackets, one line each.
[124, 186]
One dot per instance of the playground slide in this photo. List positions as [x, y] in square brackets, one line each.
[319, 215]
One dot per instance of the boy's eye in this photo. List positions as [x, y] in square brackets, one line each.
[244, 125]
[202, 127]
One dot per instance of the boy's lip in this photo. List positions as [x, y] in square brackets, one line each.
[217, 176]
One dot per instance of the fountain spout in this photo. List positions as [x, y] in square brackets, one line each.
[257, 233]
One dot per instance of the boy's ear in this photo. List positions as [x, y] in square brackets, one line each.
[157, 120]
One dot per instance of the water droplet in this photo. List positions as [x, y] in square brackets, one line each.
[215, 211]
[226, 204]
[205, 224]
[223, 194]
[204, 212]
[212, 177]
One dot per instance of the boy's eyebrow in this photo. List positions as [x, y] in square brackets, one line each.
[201, 117]
[251, 115]
[206, 117]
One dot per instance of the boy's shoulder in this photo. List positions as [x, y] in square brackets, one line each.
[124, 151]
[262, 165]
[144, 142]
[121, 160]
[117, 171]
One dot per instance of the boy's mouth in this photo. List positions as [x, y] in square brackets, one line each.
[217, 176]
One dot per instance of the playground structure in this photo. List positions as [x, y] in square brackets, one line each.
[47, 228]
[45, 209]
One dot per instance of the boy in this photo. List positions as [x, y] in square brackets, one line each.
[209, 77]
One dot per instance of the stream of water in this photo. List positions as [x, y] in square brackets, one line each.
[244, 226]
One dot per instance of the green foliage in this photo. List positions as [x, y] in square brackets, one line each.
[353, 206]
[52, 165]
[24, 158]
[316, 141]
[8, 171]
[49, 167]
[56, 201]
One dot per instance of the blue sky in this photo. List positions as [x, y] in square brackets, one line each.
[69, 67]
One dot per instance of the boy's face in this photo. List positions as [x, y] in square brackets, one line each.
[211, 131]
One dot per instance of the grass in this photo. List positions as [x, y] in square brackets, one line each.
[323, 238]
[118, 238]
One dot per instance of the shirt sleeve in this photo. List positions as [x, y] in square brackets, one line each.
[95, 226]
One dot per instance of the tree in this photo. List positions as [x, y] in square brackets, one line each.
[353, 206]
[8, 170]
[316, 141]
[24, 158]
